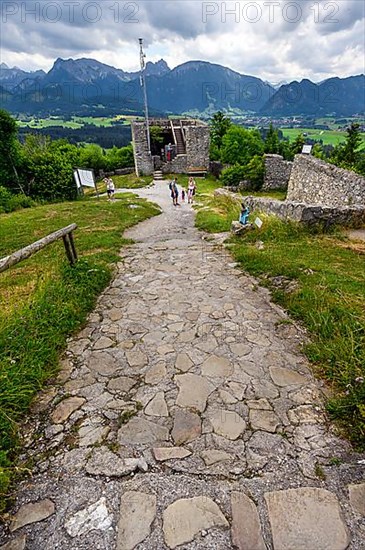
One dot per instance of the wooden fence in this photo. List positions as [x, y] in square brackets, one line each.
[24, 253]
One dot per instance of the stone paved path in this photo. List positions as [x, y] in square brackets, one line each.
[186, 417]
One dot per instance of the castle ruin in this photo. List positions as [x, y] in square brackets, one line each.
[184, 147]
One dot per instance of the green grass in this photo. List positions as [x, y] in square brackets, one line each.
[131, 181]
[75, 123]
[329, 137]
[329, 301]
[43, 300]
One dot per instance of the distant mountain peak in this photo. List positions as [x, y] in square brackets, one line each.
[158, 68]
[4, 66]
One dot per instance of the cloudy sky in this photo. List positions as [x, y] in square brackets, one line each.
[273, 39]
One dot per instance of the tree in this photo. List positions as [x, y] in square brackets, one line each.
[239, 145]
[272, 143]
[9, 152]
[219, 126]
[297, 145]
[353, 141]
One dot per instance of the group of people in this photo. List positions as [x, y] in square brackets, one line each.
[175, 191]
[110, 188]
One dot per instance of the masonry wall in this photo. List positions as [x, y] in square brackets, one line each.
[178, 165]
[197, 146]
[314, 181]
[142, 157]
[310, 214]
[277, 172]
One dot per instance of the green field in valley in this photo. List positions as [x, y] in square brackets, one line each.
[75, 122]
[329, 137]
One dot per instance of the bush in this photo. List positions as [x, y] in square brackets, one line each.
[233, 176]
[10, 202]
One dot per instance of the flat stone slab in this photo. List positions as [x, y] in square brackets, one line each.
[137, 512]
[102, 363]
[121, 384]
[15, 544]
[264, 420]
[187, 426]
[183, 362]
[136, 359]
[168, 453]
[187, 517]
[194, 391]
[212, 456]
[306, 518]
[157, 406]
[140, 431]
[156, 373]
[106, 463]
[246, 529]
[285, 377]
[91, 433]
[95, 516]
[227, 423]
[357, 497]
[217, 366]
[32, 513]
[66, 408]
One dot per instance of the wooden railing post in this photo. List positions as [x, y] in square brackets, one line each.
[24, 253]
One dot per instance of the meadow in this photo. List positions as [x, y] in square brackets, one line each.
[43, 300]
[329, 137]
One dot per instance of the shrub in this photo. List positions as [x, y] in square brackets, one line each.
[9, 202]
[233, 176]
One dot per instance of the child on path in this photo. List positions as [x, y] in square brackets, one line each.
[183, 195]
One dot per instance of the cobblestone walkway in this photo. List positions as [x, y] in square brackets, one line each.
[186, 417]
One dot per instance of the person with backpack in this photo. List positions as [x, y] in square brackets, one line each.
[174, 192]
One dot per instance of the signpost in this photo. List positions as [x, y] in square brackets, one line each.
[85, 178]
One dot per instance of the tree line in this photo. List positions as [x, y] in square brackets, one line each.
[41, 169]
[243, 150]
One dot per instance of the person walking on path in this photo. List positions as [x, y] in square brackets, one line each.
[110, 188]
[174, 192]
[191, 190]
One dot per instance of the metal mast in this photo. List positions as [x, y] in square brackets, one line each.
[143, 84]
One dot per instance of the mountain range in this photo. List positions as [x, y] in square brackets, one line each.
[88, 87]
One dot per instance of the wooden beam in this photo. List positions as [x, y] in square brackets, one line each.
[28, 251]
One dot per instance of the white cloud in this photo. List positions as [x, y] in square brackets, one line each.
[274, 40]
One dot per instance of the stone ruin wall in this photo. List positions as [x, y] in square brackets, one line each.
[142, 157]
[197, 146]
[277, 172]
[310, 214]
[178, 165]
[314, 181]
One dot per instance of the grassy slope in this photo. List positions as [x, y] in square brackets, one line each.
[329, 300]
[43, 300]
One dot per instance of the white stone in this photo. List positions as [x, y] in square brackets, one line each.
[95, 516]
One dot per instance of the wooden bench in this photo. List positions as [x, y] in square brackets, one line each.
[197, 171]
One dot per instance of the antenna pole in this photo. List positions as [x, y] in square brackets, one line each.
[143, 84]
